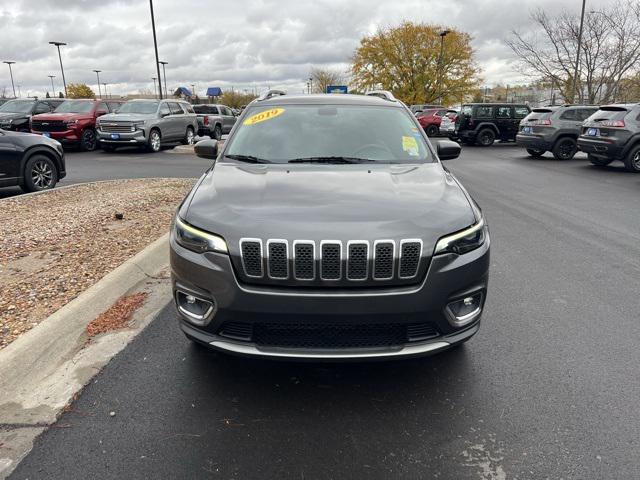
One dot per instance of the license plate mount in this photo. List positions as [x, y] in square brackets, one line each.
[115, 136]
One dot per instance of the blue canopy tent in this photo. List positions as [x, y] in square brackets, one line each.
[214, 92]
[183, 91]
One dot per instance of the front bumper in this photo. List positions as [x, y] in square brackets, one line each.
[534, 142]
[211, 276]
[68, 136]
[130, 138]
[599, 147]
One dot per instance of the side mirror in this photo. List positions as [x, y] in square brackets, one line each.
[448, 150]
[207, 149]
[164, 114]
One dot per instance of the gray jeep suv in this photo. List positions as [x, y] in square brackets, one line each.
[149, 124]
[554, 129]
[360, 247]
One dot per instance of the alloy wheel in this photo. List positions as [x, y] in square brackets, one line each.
[89, 140]
[636, 161]
[155, 141]
[190, 137]
[42, 174]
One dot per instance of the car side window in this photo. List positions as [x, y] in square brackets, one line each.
[585, 113]
[484, 112]
[521, 112]
[569, 115]
[42, 108]
[503, 112]
[102, 107]
[164, 109]
[175, 108]
[214, 111]
[188, 108]
[226, 111]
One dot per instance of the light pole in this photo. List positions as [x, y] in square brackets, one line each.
[11, 73]
[193, 89]
[155, 90]
[53, 89]
[164, 77]
[575, 73]
[442, 34]
[310, 85]
[155, 46]
[105, 90]
[64, 81]
[98, 75]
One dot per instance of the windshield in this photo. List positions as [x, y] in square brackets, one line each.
[329, 133]
[17, 106]
[74, 106]
[139, 107]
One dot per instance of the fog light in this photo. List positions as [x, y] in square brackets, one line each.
[195, 309]
[463, 311]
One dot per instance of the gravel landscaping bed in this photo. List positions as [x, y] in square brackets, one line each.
[55, 245]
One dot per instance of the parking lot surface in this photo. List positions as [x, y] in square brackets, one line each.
[547, 389]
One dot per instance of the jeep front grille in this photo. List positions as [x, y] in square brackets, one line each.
[331, 261]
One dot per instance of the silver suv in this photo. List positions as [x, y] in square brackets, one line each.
[149, 124]
[554, 129]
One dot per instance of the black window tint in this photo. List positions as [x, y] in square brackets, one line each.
[175, 108]
[42, 108]
[521, 112]
[569, 115]
[503, 112]
[585, 113]
[484, 112]
[214, 111]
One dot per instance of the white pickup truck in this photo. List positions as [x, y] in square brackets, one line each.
[214, 120]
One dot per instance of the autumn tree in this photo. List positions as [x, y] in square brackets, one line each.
[236, 99]
[406, 60]
[79, 90]
[324, 77]
[610, 50]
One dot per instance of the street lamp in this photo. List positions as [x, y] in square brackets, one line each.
[575, 73]
[64, 81]
[155, 90]
[193, 89]
[53, 89]
[98, 75]
[164, 76]
[11, 73]
[155, 46]
[442, 34]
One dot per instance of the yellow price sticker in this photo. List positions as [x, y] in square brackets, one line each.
[263, 116]
[409, 144]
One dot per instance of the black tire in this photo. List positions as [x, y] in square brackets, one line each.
[89, 140]
[40, 173]
[632, 161]
[565, 148]
[535, 153]
[432, 131]
[486, 137]
[217, 132]
[189, 137]
[598, 161]
[154, 144]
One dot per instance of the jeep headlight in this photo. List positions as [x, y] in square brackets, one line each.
[197, 240]
[464, 241]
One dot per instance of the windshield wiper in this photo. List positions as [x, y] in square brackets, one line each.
[247, 158]
[331, 160]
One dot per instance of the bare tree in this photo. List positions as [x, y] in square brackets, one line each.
[322, 78]
[610, 50]
[3, 91]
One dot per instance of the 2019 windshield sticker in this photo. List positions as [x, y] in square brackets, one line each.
[264, 116]
[410, 145]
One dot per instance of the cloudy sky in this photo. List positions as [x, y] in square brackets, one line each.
[241, 43]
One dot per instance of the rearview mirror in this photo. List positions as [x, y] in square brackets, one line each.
[207, 149]
[448, 150]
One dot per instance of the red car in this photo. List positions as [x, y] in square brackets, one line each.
[431, 119]
[74, 122]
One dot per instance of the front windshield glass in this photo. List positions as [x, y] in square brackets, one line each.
[17, 106]
[139, 107]
[326, 133]
[74, 106]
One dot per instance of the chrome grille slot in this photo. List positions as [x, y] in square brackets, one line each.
[330, 260]
[358, 260]
[278, 259]
[383, 259]
[252, 257]
[410, 253]
[304, 260]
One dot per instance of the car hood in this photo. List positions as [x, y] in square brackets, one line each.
[12, 116]
[126, 117]
[62, 116]
[337, 202]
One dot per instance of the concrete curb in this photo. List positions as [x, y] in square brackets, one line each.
[29, 361]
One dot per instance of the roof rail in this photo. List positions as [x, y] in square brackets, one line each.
[384, 94]
[270, 93]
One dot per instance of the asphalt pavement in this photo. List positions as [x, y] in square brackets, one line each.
[547, 389]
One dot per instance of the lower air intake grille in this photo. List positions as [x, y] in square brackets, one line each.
[237, 331]
[421, 331]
